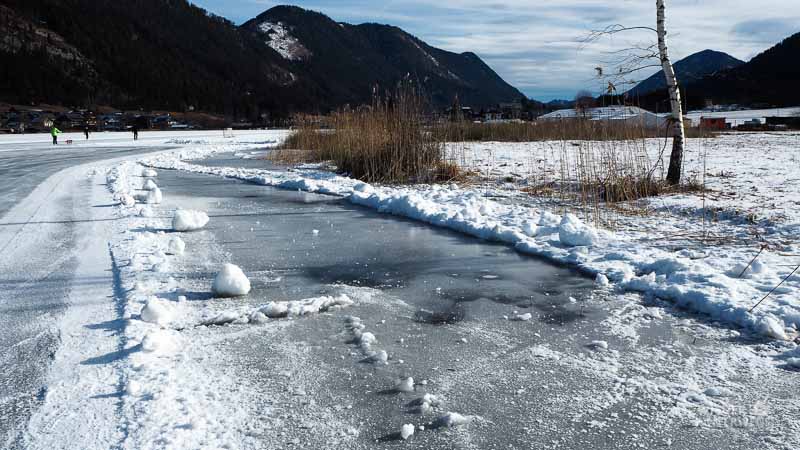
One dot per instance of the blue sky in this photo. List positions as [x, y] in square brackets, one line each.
[536, 44]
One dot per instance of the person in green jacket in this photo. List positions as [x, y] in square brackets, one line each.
[55, 132]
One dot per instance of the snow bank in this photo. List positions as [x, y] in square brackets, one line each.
[188, 220]
[149, 185]
[230, 282]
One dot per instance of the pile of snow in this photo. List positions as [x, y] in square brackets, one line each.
[406, 431]
[126, 199]
[149, 185]
[162, 342]
[154, 197]
[157, 311]
[574, 233]
[149, 173]
[405, 385]
[176, 246]
[452, 419]
[188, 220]
[230, 282]
[424, 404]
[364, 340]
[297, 308]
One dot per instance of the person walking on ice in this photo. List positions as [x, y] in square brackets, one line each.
[135, 130]
[55, 132]
[86, 131]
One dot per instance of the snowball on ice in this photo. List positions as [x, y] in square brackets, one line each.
[598, 345]
[127, 200]
[188, 220]
[379, 357]
[405, 385]
[406, 431]
[574, 233]
[524, 317]
[157, 311]
[154, 197]
[176, 246]
[149, 185]
[149, 173]
[601, 280]
[452, 419]
[230, 282]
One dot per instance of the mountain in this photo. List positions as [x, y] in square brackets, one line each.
[347, 61]
[770, 78]
[688, 70]
[170, 54]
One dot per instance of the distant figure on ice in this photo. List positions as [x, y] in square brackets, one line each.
[55, 132]
[135, 130]
[86, 132]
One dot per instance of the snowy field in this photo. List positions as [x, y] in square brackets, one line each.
[176, 348]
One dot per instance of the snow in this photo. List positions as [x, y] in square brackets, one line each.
[230, 282]
[154, 197]
[698, 281]
[149, 185]
[176, 246]
[282, 41]
[157, 311]
[405, 385]
[188, 220]
[452, 419]
[406, 431]
[574, 233]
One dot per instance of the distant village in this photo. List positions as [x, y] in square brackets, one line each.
[15, 119]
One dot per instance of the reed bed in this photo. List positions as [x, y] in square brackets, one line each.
[384, 142]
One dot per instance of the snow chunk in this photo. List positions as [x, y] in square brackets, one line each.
[379, 357]
[176, 246]
[230, 282]
[452, 419]
[162, 342]
[149, 185]
[601, 280]
[157, 311]
[126, 200]
[149, 173]
[772, 327]
[524, 317]
[154, 197]
[406, 431]
[574, 233]
[188, 220]
[598, 345]
[405, 385]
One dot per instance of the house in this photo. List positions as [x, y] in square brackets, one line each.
[630, 115]
[714, 123]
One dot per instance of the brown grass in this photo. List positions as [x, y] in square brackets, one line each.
[385, 142]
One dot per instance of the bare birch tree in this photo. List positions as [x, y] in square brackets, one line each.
[634, 59]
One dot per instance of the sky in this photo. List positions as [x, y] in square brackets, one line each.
[538, 45]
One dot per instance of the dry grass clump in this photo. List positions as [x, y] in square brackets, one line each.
[551, 130]
[384, 142]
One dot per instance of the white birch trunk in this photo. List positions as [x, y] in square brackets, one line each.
[679, 132]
